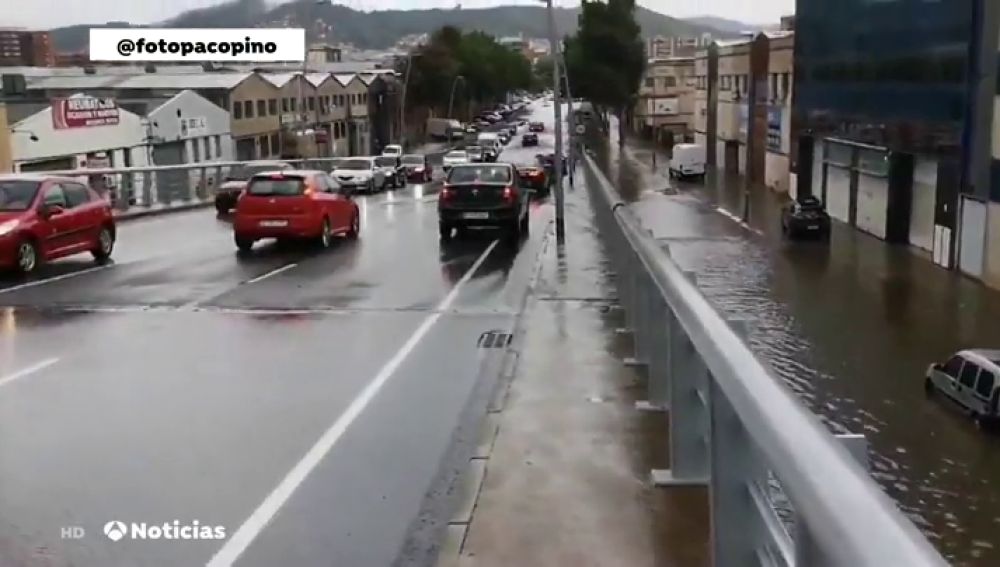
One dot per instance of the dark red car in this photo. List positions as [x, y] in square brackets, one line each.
[46, 217]
[418, 168]
[294, 204]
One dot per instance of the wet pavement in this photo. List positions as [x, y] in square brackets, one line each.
[851, 327]
[566, 478]
[302, 401]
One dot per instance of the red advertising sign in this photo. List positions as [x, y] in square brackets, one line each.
[83, 112]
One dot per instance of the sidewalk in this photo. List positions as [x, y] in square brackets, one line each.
[567, 479]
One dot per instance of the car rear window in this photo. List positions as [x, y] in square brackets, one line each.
[17, 195]
[461, 154]
[279, 186]
[385, 161]
[414, 159]
[480, 174]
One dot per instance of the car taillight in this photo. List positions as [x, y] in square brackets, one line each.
[509, 194]
[445, 193]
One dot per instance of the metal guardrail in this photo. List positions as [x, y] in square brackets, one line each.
[735, 428]
[171, 185]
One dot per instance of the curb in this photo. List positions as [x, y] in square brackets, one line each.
[145, 213]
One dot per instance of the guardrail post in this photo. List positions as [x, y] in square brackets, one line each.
[658, 370]
[689, 410]
[639, 308]
[737, 530]
[807, 553]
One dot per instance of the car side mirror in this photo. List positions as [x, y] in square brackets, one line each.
[48, 211]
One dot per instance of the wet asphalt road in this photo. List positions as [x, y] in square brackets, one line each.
[301, 400]
[851, 327]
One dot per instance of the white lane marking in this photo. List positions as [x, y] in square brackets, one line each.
[24, 372]
[263, 277]
[55, 278]
[738, 221]
[258, 520]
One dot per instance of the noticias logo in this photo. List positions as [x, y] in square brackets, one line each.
[116, 530]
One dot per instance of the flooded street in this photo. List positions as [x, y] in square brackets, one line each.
[851, 327]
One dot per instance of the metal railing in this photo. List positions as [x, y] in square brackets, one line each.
[737, 429]
[166, 186]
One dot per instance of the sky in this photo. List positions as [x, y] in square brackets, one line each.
[44, 14]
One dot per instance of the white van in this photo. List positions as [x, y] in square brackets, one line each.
[491, 144]
[688, 161]
[444, 128]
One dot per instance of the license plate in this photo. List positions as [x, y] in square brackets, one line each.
[477, 216]
[813, 227]
[273, 223]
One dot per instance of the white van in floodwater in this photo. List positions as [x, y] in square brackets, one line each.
[688, 161]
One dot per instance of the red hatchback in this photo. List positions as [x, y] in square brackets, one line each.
[294, 204]
[46, 217]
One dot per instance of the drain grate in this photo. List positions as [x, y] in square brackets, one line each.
[494, 339]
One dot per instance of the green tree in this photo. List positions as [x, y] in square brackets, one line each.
[490, 70]
[544, 72]
[605, 58]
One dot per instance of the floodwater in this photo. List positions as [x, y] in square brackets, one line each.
[851, 328]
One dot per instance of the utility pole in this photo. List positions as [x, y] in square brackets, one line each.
[557, 161]
[573, 142]
[451, 99]
[402, 102]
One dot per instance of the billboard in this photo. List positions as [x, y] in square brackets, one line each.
[661, 106]
[83, 112]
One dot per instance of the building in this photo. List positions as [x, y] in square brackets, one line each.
[666, 106]
[28, 48]
[780, 72]
[38, 145]
[895, 123]
[323, 53]
[354, 111]
[661, 47]
[706, 101]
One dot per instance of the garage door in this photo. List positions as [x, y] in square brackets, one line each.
[973, 235]
[170, 185]
[838, 192]
[873, 200]
[922, 210]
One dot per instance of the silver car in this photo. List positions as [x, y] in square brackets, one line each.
[360, 172]
[970, 378]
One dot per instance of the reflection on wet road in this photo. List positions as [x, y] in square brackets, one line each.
[851, 328]
[304, 398]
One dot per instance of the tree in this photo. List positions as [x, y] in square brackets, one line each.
[489, 69]
[544, 72]
[605, 58]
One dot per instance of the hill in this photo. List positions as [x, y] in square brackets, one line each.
[381, 29]
[732, 27]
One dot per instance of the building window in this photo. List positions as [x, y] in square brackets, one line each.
[248, 108]
[218, 146]
[272, 107]
[312, 103]
[670, 81]
[275, 144]
[238, 110]
[293, 103]
[265, 146]
[284, 105]
[784, 88]
[195, 150]
[650, 82]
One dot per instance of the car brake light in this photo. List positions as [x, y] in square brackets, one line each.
[445, 193]
[509, 194]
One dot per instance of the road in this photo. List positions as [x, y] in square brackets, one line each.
[851, 327]
[305, 402]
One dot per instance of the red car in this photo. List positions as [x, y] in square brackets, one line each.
[234, 183]
[45, 217]
[294, 204]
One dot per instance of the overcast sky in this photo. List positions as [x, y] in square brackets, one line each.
[46, 14]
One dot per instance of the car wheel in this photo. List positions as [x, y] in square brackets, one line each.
[105, 245]
[221, 208]
[371, 186]
[355, 229]
[27, 257]
[243, 244]
[444, 230]
[514, 232]
[325, 235]
[524, 226]
[402, 182]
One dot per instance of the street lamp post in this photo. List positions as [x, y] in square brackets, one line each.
[402, 102]
[557, 162]
[451, 99]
